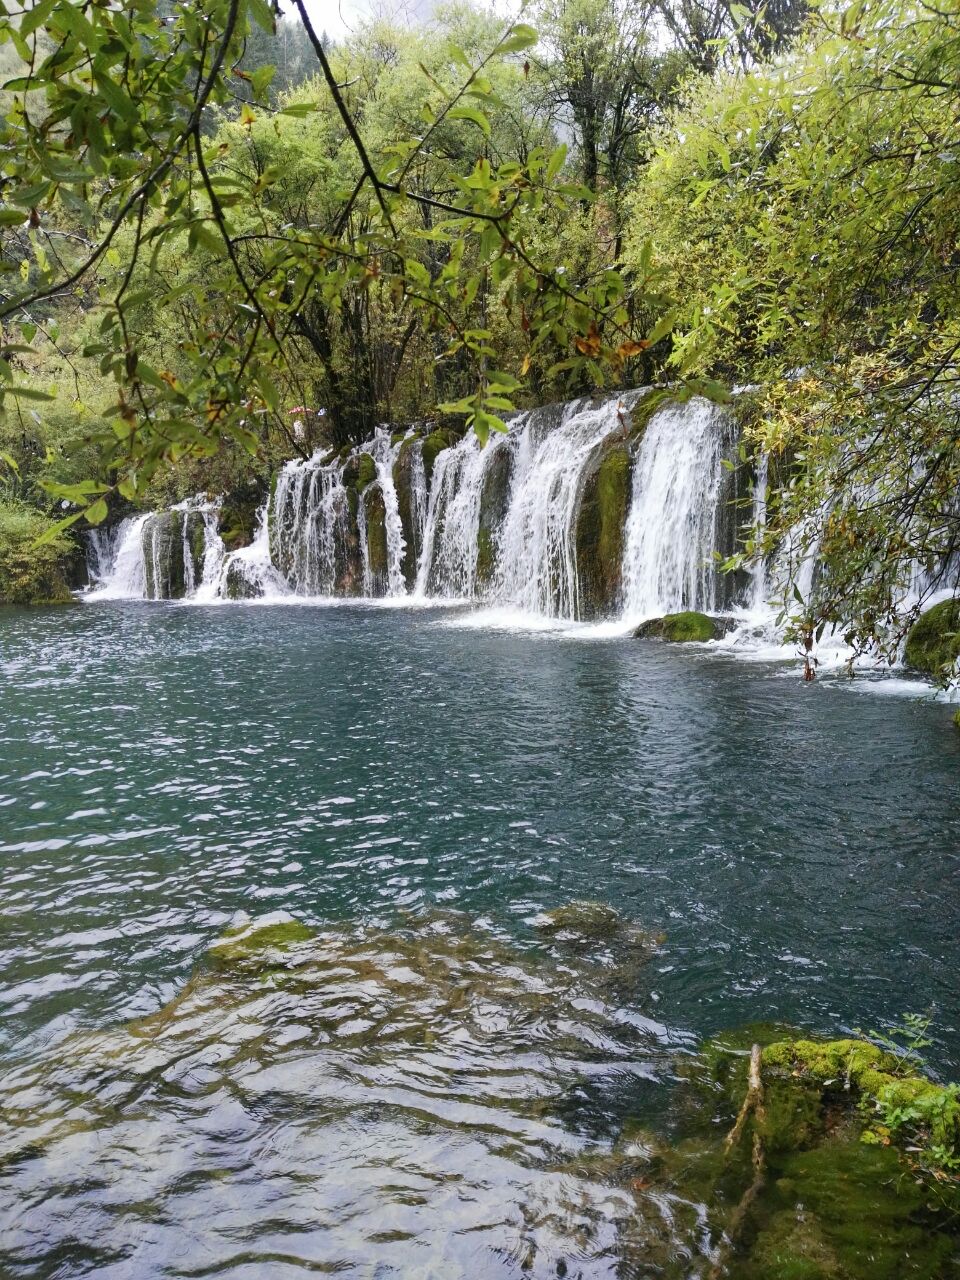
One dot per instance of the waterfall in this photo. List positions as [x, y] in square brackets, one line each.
[672, 528]
[537, 567]
[448, 561]
[505, 523]
[759, 589]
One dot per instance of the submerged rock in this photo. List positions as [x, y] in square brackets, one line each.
[682, 627]
[933, 642]
[601, 530]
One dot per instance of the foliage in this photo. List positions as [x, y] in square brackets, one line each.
[28, 574]
[806, 211]
[223, 279]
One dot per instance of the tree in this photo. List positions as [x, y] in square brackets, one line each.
[110, 133]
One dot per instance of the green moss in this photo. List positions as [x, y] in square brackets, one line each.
[600, 531]
[258, 942]
[494, 501]
[377, 540]
[31, 574]
[933, 643]
[681, 627]
[197, 540]
[956, 719]
[403, 484]
[434, 444]
[366, 472]
[843, 1210]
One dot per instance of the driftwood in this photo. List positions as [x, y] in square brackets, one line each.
[752, 1106]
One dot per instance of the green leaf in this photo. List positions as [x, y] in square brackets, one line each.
[556, 161]
[28, 393]
[263, 15]
[521, 36]
[472, 114]
[51, 534]
[96, 513]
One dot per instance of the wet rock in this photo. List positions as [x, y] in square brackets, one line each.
[601, 529]
[238, 585]
[933, 642]
[366, 471]
[434, 444]
[494, 500]
[403, 483]
[163, 559]
[680, 627]
[376, 515]
[237, 524]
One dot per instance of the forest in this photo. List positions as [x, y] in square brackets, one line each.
[479, 639]
[451, 222]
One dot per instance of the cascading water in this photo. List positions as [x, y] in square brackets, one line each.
[537, 566]
[759, 589]
[448, 561]
[672, 529]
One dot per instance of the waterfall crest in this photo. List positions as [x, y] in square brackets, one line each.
[586, 510]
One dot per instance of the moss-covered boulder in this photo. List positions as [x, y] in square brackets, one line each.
[163, 555]
[680, 627]
[366, 471]
[237, 523]
[600, 530]
[933, 642]
[31, 574]
[494, 500]
[376, 517]
[434, 444]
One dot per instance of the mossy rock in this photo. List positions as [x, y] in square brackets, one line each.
[163, 561]
[237, 523]
[434, 444]
[844, 1211]
[601, 529]
[376, 513]
[682, 627]
[956, 719]
[237, 586]
[494, 501]
[258, 942]
[861, 1067]
[933, 642]
[366, 472]
[196, 536]
[403, 484]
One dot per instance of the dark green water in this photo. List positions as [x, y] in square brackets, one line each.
[420, 793]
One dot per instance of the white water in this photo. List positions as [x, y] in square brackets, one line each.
[536, 567]
[510, 508]
[674, 512]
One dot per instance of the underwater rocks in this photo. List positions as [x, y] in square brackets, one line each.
[680, 627]
[933, 642]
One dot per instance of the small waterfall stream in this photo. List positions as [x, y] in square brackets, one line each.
[673, 526]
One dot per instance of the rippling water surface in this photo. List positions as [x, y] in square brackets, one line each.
[425, 1080]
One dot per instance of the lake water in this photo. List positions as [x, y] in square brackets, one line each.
[430, 1085]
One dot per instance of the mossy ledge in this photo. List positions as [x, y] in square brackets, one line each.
[933, 642]
[682, 627]
[870, 1073]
